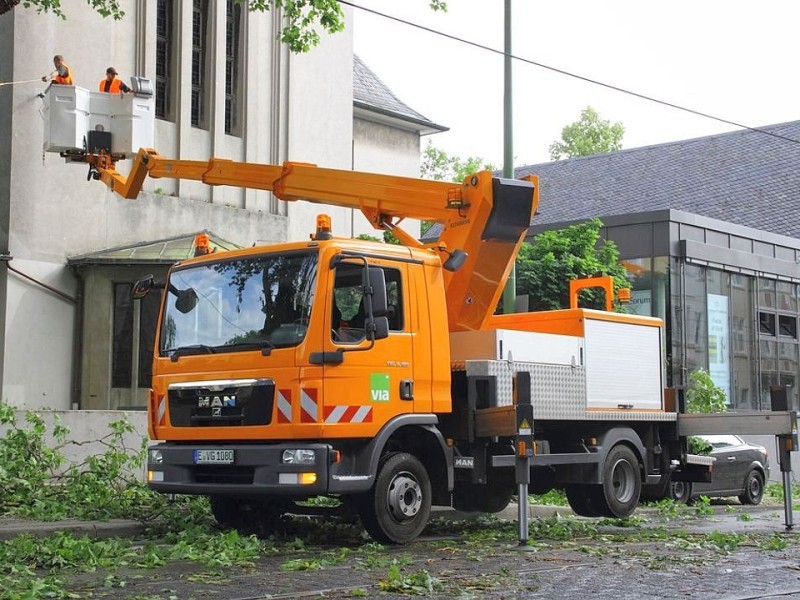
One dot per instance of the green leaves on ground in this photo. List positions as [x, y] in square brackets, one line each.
[35, 481]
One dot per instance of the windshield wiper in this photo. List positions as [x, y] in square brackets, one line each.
[175, 353]
[264, 345]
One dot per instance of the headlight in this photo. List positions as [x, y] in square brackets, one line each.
[299, 456]
[156, 458]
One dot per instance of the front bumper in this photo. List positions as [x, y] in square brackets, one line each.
[255, 470]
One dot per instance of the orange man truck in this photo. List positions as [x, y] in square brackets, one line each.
[379, 373]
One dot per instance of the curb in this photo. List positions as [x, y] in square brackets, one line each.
[11, 528]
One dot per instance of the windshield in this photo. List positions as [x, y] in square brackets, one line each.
[262, 302]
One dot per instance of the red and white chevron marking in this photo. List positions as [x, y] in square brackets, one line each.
[308, 405]
[161, 411]
[284, 406]
[348, 414]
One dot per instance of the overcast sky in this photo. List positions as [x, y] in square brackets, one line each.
[733, 59]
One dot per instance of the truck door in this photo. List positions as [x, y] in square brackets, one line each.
[370, 385]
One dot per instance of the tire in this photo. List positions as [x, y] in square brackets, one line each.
[471, 497]
[680, 491]
[249, 515]
[397, 508]
[582, 499]
[753, 488]
[621, 485]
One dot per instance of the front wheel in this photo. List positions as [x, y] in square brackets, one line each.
[397, 508]
[753, 488]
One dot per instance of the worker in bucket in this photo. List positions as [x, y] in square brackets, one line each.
[111, 84]
[62, 75]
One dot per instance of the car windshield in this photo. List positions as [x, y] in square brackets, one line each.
[722, 441]
[244, 304]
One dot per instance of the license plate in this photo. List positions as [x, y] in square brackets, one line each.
[213, 457]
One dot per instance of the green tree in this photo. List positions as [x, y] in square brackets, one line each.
[440, 166]
[546, 265]
[588, 135]
[303, 18]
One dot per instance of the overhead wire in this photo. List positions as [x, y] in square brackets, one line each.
[570, 74]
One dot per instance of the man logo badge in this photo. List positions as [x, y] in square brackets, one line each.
[216, 403]
[464, 462]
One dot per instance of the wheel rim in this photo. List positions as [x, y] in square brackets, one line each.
[622, 480]
[404, 497]
[754, 486]
[678, 490]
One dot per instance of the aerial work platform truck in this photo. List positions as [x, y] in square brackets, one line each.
[380, 373]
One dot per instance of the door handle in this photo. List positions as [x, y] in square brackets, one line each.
[407, 389]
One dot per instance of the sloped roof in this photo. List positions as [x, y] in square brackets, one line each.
[743, 177]
[166, 251]
[375, 99]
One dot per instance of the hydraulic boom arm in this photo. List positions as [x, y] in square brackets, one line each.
[484, 216]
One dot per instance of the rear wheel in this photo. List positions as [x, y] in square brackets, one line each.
[753, 488]
[397, 508]
[621, 483]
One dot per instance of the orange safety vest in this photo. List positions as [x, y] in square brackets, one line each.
[112, 87]
[64, 80]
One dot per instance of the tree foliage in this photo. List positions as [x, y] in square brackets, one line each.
[546, 266]
[440, 166]
[588, 135]
[304, 19]
[703, 395]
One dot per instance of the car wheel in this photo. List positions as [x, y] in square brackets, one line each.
[753, 488]
[680, 491]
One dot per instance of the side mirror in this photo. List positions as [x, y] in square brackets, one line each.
[381, 328]
[142, 287]
[186, 300]
[374, 282]
[456, 260]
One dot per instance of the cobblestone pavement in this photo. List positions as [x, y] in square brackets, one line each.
[737, 553]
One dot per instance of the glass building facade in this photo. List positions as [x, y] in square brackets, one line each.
[728, 296]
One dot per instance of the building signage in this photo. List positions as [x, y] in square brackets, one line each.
[719, 343]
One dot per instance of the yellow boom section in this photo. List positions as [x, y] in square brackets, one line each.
[484, 216]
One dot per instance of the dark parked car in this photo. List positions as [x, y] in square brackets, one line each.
[741, 469]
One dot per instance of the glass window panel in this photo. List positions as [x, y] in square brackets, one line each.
[122, 342]
[745, 368]
[769, 371]
[766, 323]
[696, 327]
[786, 298]
[787, 326]
[766, 293]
